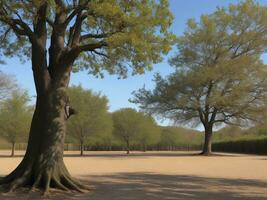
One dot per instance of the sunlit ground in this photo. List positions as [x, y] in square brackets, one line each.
[157, 176]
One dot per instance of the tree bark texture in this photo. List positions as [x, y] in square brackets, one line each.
[207, 148]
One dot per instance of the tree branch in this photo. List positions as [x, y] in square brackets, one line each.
[49, 21]
[100, 54]
[18, 25]
[99, 36]
[96, 36]
[75, 30]
[61, 4]
[18, 31]
[77, 9]
[92, 46]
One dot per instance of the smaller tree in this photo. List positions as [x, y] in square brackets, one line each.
[6, 85]
[168, 138]
[172, 137]
[131, 126]
[93, 117]
[149, 132]
[15, 118]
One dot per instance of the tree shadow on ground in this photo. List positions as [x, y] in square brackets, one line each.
[121, 154]
[146, 154]
[147, 186]
[132, 155]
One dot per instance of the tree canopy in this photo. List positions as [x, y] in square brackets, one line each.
[149, 132]
[104, 35]
[132, 127]
[93, 118]
[219, 75]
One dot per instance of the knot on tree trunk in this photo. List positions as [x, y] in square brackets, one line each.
[69, 111]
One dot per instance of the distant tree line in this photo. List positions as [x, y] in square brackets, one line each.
[15, 112]
[95, 128]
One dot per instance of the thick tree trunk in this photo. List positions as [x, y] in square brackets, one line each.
[13, 149]
[42, 165]
[207, 148]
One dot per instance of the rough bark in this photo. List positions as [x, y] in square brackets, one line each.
[207, 148]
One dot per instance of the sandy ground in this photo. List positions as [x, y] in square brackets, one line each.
[158, 176]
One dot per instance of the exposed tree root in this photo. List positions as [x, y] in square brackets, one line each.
[44, 180]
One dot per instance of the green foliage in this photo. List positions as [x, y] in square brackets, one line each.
[233, 133]
[219, 76]
[15, 117]
[140, 35]
[92, 120]
[228, 133]
[6, 85]
[135, 33]
[149, 132]
[177, 136]
[134, 127]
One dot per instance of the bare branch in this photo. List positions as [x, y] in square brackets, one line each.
[100, 54]
[5, 34]
[77, 9]
[72, 15]
[75, 30]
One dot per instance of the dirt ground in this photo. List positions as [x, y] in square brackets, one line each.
[157, 176]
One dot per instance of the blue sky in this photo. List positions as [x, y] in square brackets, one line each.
[119, 91]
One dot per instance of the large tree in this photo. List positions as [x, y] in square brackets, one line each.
[61, 36]
[93, 118]
[15, 116]
[219, 76]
